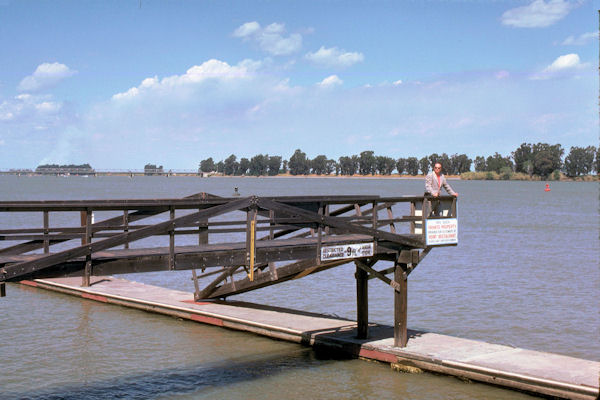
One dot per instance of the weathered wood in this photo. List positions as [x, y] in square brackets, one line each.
[172, 239]
[400, 307]
[87, 240]
[333, 222]
[362, 303]
[25, 268]
[46, 231]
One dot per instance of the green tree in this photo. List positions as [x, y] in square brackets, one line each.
[597, 164]
[546, 158]
[461, 163]
[366, 162]
[274, 164]
[400, 165]
[231, 165]
[259, 165]
[412, 166]
[299, 164]
[348, 165]
[480, 164]
[220, 167]
[497, 162]
[319, 165]
[244, 166]
[285, 167]
[207, 165]
[385, 165]
[523, 158]
[580, 161]
[424, 165]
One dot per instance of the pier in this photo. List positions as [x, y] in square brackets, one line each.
[235, 245]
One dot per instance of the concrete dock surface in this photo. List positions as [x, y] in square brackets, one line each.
[541, 373]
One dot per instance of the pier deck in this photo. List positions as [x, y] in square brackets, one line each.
[531, 371]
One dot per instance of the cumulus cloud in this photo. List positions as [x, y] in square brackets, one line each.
[565, 64]
[209, 70]
[330, 81]
[45, 76]
[581, 39]
[537, 14]
[271, 38]
[334, 57]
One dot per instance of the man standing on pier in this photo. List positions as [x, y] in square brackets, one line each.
[434, 181]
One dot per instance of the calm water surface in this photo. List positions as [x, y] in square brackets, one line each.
[525, 273]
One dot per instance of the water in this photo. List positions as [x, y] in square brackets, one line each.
[525, 273]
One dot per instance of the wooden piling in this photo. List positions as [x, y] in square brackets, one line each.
[400, 306]
[362, 303]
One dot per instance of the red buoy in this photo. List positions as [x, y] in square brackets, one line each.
[547, 188]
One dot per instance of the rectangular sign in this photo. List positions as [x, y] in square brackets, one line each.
[441, 231]
[352, 250]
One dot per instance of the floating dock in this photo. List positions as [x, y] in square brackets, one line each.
[534, 372]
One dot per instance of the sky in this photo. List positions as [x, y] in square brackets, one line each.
[122, 83]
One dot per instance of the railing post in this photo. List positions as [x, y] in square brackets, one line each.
[46, 231]
[172, 239]
[126, 226]
[319, 235]
[250, 241]
[87, 239]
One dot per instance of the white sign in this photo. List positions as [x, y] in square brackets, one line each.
[353, 250]
[442, 231]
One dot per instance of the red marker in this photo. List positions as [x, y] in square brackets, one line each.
[547, 188]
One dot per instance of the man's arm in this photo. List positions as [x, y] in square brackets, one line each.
[448, 188]
[429, 184]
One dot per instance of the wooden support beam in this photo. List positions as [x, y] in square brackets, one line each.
[87, 240]
[172, 239]
[2, 289]
[335, 223]
[362, 303]
[400, 306]
[126, 226]
[24, 268]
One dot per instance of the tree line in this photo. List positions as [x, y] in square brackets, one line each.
[541, 159]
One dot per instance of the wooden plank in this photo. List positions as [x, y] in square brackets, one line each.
[331, 221]
[21, 269]
[400, 307]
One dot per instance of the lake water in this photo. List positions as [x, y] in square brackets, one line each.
[525, 273]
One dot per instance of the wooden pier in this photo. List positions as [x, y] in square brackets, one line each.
[285, 238]
[539, 373]
[235, 245]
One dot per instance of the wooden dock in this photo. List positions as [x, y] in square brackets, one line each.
[534, 372]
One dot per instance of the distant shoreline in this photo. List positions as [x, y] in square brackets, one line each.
[466, 176]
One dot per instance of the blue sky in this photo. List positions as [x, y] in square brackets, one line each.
[123, 83]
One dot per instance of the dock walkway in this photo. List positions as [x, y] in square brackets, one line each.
[531, 371]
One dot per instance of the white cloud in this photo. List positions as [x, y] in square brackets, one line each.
[247, 29]
[211, 69]
[398, 82]
[333, 57]
[581, 39]
[537, 14]
[46, 75]
[330, 81]
[565, 64]
[271, 39]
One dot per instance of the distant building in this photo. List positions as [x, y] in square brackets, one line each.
[71, 169]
